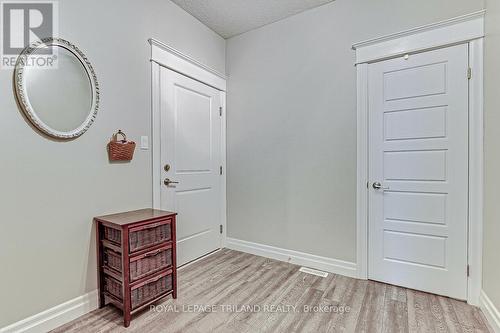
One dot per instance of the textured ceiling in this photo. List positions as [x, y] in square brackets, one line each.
[229, 18]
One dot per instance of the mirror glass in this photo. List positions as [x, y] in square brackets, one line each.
[57, 88]
[60, 96]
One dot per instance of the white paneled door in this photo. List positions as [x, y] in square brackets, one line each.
[418, 171]
[190, 162]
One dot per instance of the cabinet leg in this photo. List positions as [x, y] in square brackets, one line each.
[174, 275]
[126, 319]
[102, 300]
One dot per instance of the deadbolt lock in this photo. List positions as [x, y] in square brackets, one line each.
[166, 167]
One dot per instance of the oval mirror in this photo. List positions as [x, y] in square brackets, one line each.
[57, 88]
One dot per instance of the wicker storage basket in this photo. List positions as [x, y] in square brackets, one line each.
[112, 235]
[113, 287]
[122, 150]
[149, 236]
[151, 290]
[150, 262]
[113, 259]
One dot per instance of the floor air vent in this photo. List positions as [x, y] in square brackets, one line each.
[313, 272]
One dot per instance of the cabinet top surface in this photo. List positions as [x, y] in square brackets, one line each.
[135, 216]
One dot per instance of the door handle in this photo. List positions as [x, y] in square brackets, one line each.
[168, 182]
[378, 186]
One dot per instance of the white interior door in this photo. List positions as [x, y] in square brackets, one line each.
[191, 147]
[418, 152]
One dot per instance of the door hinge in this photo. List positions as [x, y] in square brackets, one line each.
[220, 111]
[468, 270]
[220, 228]
[220, 170]
[469, 73]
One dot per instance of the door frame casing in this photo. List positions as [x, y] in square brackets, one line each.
[466, 29]
[163, 55]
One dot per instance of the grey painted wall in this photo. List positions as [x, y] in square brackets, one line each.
[491, 266]
[292, 121]
[51, 190]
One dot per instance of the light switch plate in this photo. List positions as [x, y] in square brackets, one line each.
[144, 142]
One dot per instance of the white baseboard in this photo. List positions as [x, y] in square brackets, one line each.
[197, 260]
[56, 316]
[490, 311]
[299, 258]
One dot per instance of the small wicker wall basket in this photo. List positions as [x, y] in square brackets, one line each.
[120, 150]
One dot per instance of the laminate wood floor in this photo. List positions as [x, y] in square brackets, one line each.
[232, 291]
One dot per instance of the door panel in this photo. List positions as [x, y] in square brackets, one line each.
[412, 248]
[418, 151]
[415, 165]
[190, 145]
[413, 82]
[415, 124]
[193, 131]
[415, 207]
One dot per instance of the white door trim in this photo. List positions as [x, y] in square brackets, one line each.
[457, 30]
[476, 180]
[464, 29]
[224, 171]
[173, 59]
[163, 55]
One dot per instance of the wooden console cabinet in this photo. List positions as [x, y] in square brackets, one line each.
[136, 254]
